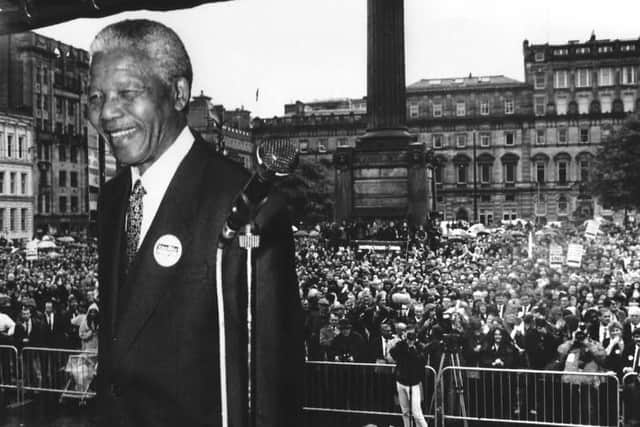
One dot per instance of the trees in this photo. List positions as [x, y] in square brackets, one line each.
[617, 168]
[309, 191]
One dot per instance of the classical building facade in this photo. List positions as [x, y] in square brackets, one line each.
[16, 177]
[227, 130]
[46, 80]
[499, 148]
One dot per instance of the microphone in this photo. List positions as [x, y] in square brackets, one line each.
[275, 159]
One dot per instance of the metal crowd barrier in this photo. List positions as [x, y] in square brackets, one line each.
[359, 389]
[9, 374]
[68, 372]
[631, 398]
[553, 398]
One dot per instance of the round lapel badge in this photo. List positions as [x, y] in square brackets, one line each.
[167, 250]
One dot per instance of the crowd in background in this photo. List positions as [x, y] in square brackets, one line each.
[498, 305]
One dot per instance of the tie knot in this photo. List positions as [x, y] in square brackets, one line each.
[138, 189]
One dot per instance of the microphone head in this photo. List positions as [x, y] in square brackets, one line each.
[277, 156]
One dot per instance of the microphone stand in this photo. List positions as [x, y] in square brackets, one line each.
[250, 240]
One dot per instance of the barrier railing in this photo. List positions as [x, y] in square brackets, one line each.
[10, 374]
[68, 372]
[630, 411]
[533, 397]
[359, 389]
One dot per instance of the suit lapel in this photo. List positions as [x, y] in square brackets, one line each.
[147, 282]
[113, 234]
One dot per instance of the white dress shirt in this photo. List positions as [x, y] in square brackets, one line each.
[157, 177]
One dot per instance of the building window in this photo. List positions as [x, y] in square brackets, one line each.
[561, 79]
[437, 141]
[437, 110]
[58, 104]
[2, 210]
[485, 173]
[484, 108]
[629, 75]
[438, 174]
[561, 52]
[13, 212]
[485, 139]
[45, 102]
[73, 153]
[71, 108]
[23, 219]
[509, 173]
[74, 204]
[12, 183]
[582, 50]
[508, 106]
[562, 172]
[62, 204]
[462, 173]
[605, 104]
[1, 182]
[562, 136]
[20, 147]
[539, 81]
[628, 103]
[584, 170]
[9, 145]
[583, 77]
[461, 140]
[541, 138]
[510, 197]
[413, 111]
[605, 77]
[583, 104]
[539, 56]
[539, 105]
[23, 183]
[605, 49]
[627, 48]
[584, 135]
[460, 108]
[509, 138]
[73, 179]
[62, 178]
[62, 153]
[540, 169]
[562, 205]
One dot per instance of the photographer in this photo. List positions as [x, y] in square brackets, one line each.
[582, 354]
[348, 345]
[410, 362]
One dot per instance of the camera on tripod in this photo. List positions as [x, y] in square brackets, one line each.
[452, 342]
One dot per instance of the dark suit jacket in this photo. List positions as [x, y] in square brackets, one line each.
[158, 351]
[55, 338]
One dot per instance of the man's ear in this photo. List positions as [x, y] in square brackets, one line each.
[182, 93]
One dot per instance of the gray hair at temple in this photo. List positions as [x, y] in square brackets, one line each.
[158, 42]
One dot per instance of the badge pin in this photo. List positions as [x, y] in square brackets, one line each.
[167, 250]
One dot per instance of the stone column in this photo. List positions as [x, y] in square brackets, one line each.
[343, 165]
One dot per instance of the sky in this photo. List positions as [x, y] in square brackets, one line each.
[316, 49]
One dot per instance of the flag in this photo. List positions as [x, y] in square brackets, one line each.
[257, 93]
[530, 246]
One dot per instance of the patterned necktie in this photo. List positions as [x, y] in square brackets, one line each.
[134, 220]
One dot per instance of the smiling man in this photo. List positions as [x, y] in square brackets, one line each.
[159, 222]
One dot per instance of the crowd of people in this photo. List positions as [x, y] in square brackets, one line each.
[50, 301]
[494, 299]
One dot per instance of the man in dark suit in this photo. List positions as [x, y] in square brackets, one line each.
[54, 327]
[160, 361]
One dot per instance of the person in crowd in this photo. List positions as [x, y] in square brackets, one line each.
[614, 347]
[631, 324]
[88, 329]
[327, 335]
[410, 363]
[631, 384]
[348, 345]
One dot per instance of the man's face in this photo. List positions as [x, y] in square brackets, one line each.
[131, 107]
[605, 318]
[26, 314]
[385, 331]
[48, 307]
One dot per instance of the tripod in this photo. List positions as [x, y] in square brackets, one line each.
[453, 359]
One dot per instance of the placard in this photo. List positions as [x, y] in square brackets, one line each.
[574, 255]
[556, 256]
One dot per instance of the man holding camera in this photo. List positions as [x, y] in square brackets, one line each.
[582, 354]
[410, 362]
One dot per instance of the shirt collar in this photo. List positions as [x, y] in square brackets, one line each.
[160, 173]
